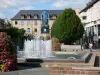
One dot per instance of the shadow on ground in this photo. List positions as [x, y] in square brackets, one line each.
[97, 61]
[30, 63]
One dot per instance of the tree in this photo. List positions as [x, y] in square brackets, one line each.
[67, 27]
[15, 32]
[17, 35]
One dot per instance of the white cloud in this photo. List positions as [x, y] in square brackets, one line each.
[7, 3]
[57, 3]
[13, 3]
[67, 3]
[26, 8]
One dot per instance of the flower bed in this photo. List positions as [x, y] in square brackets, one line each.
[8, 59]
[56, 44]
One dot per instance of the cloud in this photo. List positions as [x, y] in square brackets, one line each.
[67, 3]
[13, 3]
[9, 8]
[7, 3]
[26, 8]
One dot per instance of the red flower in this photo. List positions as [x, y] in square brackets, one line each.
[6, 56]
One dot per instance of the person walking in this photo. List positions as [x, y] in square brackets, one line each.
[90, 46]
[18, 48]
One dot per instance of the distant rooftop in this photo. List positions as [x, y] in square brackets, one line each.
[35, 12]
[89, 5]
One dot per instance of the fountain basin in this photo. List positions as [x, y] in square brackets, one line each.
[87, 60]
[65, 58]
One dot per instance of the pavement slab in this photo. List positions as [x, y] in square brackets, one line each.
[32, 71]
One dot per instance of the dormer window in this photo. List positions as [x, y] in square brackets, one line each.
[54, 16]
[28, 16]
[35, 16]
[22, 16]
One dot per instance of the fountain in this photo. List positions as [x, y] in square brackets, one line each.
[37, 48]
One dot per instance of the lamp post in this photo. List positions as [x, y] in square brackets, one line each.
[95, 38]
[82, 41]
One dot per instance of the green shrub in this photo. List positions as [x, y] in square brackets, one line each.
[67, 27]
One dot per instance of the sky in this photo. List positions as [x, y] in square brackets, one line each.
[9, 8]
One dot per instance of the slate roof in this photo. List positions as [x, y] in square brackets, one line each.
[35, 12]
[89, 5]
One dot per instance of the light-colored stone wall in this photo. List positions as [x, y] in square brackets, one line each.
[92, 14]
[32, 26]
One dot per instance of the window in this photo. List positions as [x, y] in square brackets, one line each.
[54, 16]
[28, 22]
[28, 16]
[98, 30]
[35, 22]
[22, 16]
[84, 17]
[28, 29]
[45, 30]
[35, 30]
[16, 22]
[22, 22]
[35, 16]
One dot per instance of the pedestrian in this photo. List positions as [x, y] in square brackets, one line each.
[18, 48]
[85, 45]
[90, 46]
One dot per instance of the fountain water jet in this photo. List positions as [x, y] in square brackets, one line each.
[37, 48]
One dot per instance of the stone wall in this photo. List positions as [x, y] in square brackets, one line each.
[70, 47]
[74, 71]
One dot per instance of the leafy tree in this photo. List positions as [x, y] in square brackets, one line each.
[67, 27]
[16, 34]
[13, 31]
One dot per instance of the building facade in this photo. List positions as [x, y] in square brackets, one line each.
[90, 17]
[36, 22]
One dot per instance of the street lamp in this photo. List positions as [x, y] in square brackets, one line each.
[82, 41]
[96, 39]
